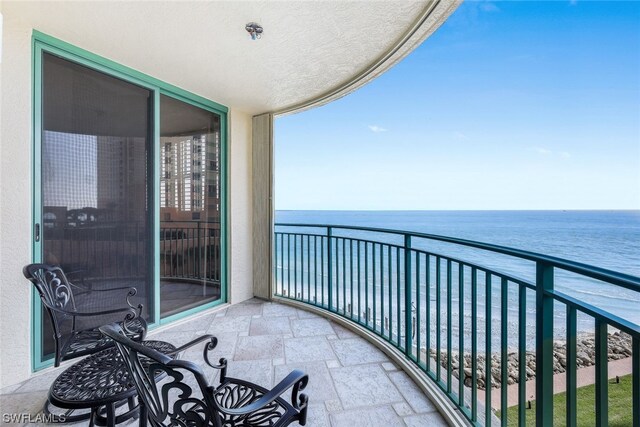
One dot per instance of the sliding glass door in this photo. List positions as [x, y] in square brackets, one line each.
[96, 169]
[190, 253]
[129, 187]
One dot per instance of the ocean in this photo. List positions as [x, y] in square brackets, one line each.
[606, 239]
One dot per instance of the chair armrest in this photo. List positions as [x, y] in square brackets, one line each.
[120, 288]
[211, 344]
[296, 379]
[131, 291]
[222, 365]
[213, 341]
[131, 310]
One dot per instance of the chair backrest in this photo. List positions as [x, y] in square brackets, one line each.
[171, 401]
[52, 285]
[56, 292]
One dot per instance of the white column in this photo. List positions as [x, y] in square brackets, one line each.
[262, 205]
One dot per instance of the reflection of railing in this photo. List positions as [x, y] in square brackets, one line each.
[190, 250]
[109, 250]
[98, 250]
[392, 284]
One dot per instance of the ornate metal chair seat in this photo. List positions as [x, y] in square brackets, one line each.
[90, 341]
[185, 398]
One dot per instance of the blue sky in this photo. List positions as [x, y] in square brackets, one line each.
[509, 105]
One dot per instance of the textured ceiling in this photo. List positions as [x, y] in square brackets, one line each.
[308, 49]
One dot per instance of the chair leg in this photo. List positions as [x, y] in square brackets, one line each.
[70, 415]
[143, 414]
[303, 416]
[111, 415]
[132, 403]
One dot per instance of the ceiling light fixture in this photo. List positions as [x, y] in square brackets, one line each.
[254, 29]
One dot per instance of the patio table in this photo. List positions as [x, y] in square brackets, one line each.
[101, 382]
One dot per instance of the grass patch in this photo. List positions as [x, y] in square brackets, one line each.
[620, 409]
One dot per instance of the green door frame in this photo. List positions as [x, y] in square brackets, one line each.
[43, 43]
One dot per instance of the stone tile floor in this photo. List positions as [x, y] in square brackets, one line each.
[351, 383]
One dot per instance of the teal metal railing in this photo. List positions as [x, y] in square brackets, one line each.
[462, 322]
[190, 250]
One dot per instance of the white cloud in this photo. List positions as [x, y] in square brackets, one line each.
[489, 7]
[457, 135]
[546, 152]
[542, 150]
[377, 129]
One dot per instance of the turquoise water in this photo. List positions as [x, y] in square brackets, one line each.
[607, 239]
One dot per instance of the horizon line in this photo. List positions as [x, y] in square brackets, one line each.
[463, 210]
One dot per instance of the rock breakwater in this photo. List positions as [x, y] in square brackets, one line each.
[619, 347]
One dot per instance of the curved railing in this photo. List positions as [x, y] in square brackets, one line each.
[190, 250]
[433, 308]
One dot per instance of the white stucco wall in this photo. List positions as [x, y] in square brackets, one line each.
[15, 202]
[16, 206]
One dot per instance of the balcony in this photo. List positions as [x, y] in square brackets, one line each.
[392, 326]
[372, 316]
[426, 298]
[351, 380]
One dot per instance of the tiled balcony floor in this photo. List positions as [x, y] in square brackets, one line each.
[351, 383]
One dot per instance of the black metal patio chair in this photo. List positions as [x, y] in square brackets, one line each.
[185, 397]
[73, 315]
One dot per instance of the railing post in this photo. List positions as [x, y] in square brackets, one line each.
[635, 371]
[330, 265]
[602, 364]
[544, 345]
[407, 295]
[274, 289]
[199, 254]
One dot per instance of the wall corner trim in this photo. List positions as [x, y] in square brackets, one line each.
[262, 160]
